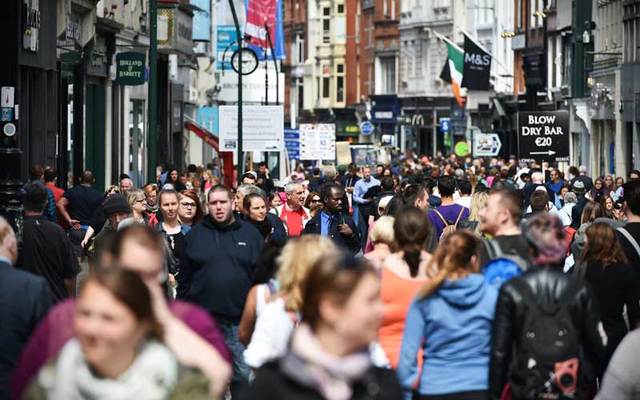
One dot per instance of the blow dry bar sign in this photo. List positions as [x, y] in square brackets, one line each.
[543, 136]
[130, 68]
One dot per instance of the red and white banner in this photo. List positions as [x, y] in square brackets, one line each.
[261, 14]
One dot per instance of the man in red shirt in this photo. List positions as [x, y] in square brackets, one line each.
[293, 214]
[50, 182]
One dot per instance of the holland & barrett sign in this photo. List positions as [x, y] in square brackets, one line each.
[130, 68]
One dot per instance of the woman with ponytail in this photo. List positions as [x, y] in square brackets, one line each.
[450, 321]
[403, 273]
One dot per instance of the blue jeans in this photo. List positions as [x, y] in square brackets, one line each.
[241, 370]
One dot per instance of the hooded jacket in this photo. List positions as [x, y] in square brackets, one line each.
[218, 267]
[453, 326]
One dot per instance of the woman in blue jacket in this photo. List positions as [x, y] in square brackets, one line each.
[451, 320]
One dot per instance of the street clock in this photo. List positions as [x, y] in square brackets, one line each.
[249, 61]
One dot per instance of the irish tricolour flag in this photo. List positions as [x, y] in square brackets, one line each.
[456, 66]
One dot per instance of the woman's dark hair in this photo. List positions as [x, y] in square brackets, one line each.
[411, 229]
[129, 289]
[190, 193]
[603, 245]
[310, 196]
[246, 201]
[266, 264]
[591, 211]
[395, 205]
[169, 176]
[334, 277]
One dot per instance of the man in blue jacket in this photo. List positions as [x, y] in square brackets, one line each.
[25, 299]
[218, 270]
[333, 221]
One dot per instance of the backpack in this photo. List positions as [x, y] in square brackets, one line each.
[449, 227]
[501, 267]
[546, 364]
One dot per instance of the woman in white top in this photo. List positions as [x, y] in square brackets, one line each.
[279, 316]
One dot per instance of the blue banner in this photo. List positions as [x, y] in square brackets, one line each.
[225, 46]
[201, 21]
[292, 143]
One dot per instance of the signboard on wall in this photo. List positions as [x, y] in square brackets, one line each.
[253, 87]
[543, 136]
[262, 128]
[317, 141]
[130, 68]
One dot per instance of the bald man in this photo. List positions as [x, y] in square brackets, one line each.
[25, 299]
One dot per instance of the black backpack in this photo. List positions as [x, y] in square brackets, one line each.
[548, 347]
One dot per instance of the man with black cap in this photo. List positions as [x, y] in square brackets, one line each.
[576, 211]
[116, 209]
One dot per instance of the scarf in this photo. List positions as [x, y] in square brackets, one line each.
[152, 376]
[333, 376]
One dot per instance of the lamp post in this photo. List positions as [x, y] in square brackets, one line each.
[152, 110]
[239, 35]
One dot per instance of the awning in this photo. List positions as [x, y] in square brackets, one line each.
[228, 170]
[202, 132]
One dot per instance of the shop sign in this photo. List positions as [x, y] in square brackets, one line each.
[31, 26]
[130, 68]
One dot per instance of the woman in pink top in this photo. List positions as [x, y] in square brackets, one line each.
[403, 274]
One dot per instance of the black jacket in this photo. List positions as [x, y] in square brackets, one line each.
[274, 382]
[548, 285]
[25, 299]
[352, 243]
[219, 263]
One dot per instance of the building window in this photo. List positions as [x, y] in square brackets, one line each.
[326, 25]
[326, 81]
[340, 83]
[340, 8]
[300, 48]
[387, 75]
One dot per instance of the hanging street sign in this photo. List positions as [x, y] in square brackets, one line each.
[130, 68]
[543, 136]
[486, 144]
[445, 125]
[366, 128]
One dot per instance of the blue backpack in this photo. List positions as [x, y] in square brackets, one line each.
[501, 267]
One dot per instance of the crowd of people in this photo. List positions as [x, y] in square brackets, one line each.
[427, 278]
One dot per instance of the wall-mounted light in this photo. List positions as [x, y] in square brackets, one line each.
[540, 13]
[507, 34]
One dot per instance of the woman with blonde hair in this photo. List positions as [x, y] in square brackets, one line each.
[278, 317]
[478, 201]
[136, 200]
[450, 320]
[383, 241]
